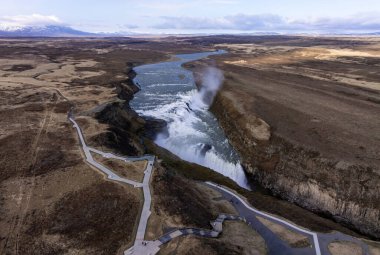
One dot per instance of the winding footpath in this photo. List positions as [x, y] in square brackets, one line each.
[217, 227]
[274, 243]
[142, 246]
[138, 246]
[319, 241]
[247, 214]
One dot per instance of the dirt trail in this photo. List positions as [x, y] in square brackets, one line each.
[27, 185]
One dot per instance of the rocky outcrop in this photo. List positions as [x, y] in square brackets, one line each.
[124, 123]
[348, 193]
[126, 127]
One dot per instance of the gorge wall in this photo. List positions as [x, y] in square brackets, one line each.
[349, 193]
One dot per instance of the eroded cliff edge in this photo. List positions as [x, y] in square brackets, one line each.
[347, 192]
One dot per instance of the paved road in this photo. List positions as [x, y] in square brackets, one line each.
[146, 209]
[275, 245]
[326, 238]
[126, 159]
[247, 213]
[152, 247]
[138, 247]
[217, 227]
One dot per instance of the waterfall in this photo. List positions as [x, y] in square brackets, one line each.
[168, 92]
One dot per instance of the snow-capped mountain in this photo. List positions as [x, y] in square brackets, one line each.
[41, 31]
[8, 28]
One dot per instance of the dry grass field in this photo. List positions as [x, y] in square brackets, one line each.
[51, 201]
[301, 103]
[303, 113]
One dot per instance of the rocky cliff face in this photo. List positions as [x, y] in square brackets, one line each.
[348, 193]
[125, 124]
[127, 128]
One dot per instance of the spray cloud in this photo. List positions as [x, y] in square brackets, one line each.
[212, 80]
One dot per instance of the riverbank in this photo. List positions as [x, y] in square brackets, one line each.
[306, 137]
[168, 93]
[51, 201]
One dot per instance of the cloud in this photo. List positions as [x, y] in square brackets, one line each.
[223, 2]
[129, 26]
[164, 7]
[30, 20]
[270, 22]
[361, 21]
[175, 6]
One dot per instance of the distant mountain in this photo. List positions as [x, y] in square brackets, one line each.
[54, 31]
[42, 31]
[117, 34]
[65, 31]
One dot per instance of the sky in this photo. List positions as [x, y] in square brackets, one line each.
[196, 16]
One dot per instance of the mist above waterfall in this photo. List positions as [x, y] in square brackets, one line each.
[168, 92]
[211, 82]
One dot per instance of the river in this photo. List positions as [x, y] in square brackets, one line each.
[168, 92]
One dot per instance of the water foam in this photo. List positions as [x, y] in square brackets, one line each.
[192, 132]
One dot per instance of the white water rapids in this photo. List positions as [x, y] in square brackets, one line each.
[168, 92]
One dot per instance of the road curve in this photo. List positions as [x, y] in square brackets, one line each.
[217, 227]
[246, 213]
[241, 202]
[152, 247]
